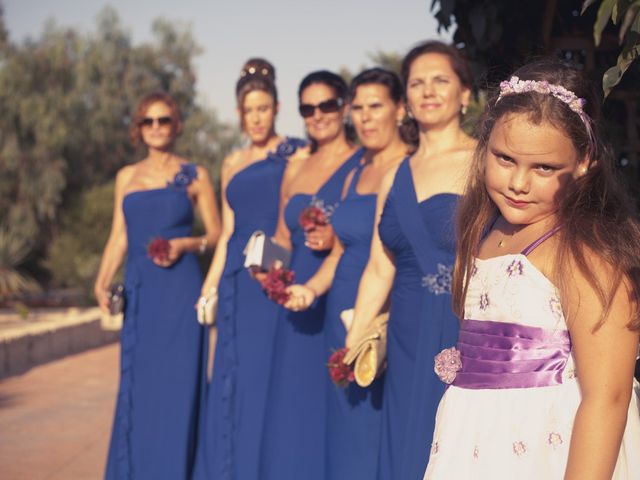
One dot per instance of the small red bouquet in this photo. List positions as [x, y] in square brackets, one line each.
[341, 374]
[158, 249]
[276, 282]
[312, 217]
[315, 215]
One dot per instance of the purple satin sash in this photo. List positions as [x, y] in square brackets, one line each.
[507, 355]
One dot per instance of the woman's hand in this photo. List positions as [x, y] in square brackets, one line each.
[320, 238]
[102, 297]
[257, 274]
[300, 298]
[354, 334]
[176, 249]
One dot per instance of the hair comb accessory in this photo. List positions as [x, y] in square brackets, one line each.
[253, 70]
[514, 86]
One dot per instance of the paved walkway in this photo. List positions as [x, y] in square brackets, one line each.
[55, 419]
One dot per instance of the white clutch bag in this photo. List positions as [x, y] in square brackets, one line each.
[262, 252]
[207, 307]
[111, 322]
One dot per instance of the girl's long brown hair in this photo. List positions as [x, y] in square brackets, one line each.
[597, 213]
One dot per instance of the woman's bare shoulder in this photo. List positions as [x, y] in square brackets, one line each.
[203, 173]
[126, 173]
[233, 159]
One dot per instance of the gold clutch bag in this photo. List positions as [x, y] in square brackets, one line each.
[368, 355]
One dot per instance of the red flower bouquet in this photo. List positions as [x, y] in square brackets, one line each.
[276, 282]
[340, 373]
[158, 249]
[313, 216]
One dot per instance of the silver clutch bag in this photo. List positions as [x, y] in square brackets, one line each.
[113, 320]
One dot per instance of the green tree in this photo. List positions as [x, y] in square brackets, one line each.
[387, 60]
[501, 35]
[626, 14]
[75, 252]
[67, 101]
[4, 35]
[380, 58]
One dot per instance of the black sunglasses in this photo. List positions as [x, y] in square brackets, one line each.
[328, 106]
[149, 121]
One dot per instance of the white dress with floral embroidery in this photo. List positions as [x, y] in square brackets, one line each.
[522, 433]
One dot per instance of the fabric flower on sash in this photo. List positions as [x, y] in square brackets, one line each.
[448, 364]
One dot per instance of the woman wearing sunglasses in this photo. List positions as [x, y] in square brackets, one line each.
[228, 446]
[412, 254]
[162, 344]
[293, 438]
[353, 413]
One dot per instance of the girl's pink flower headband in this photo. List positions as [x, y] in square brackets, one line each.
[514, 86]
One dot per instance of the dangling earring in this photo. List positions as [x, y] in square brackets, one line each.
[463, 110]
[409, 113]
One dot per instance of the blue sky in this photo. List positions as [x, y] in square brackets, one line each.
[296, 36]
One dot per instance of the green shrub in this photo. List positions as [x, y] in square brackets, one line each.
[76, 249]
[16, 242]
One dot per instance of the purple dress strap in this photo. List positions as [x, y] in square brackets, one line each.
[540, 240]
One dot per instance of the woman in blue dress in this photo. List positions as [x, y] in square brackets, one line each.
[412, 256]
[161, 371]
[232, 416]
[354, 413]
[293, 439]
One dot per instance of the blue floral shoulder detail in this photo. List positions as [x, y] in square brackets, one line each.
[187, 174]
[289, 146]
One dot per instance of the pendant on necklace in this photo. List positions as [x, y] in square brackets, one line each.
[501, 243]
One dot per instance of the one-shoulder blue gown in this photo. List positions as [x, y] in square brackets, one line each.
[421, 322]
[294, 433]
[353, 413]
[161, 371]
[229, 445]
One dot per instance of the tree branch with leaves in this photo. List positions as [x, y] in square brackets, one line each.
[626, 15]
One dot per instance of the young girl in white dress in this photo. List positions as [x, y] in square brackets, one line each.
[547, 282]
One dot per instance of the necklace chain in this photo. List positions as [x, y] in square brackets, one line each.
[503, 240]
